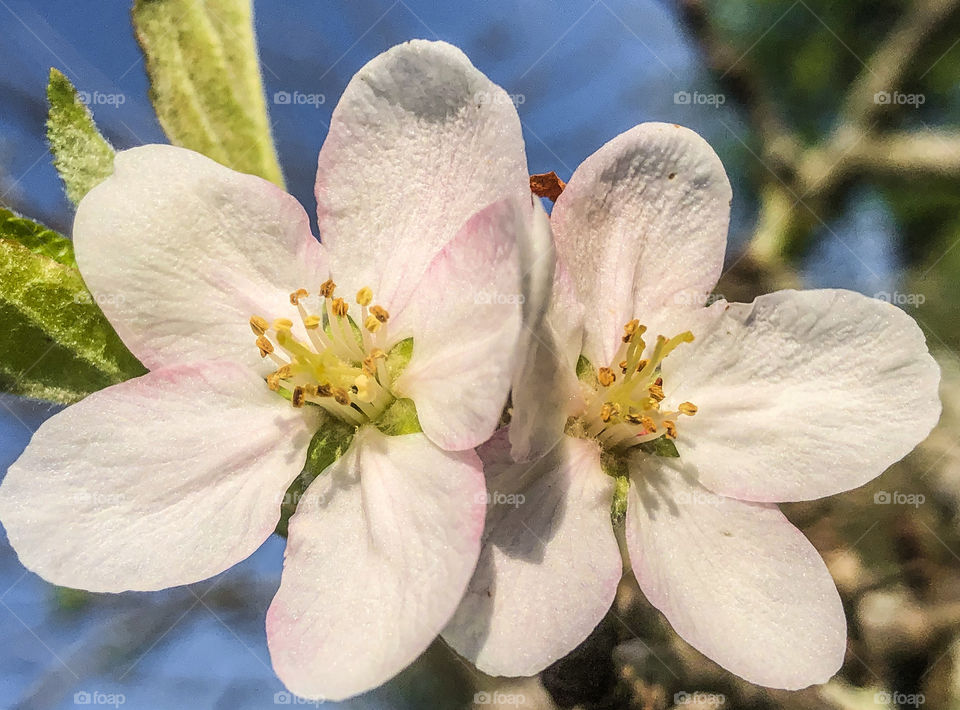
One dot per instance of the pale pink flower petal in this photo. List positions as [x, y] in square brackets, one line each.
[545, 388]
[736, 580]
[802, 394]
[550, 563]
[642, 225]
[162, 480]
[379, 553]
[420, 141]
[466, 317]
[180, 251]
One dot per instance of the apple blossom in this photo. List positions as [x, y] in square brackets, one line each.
[177, 475]
[685, 423]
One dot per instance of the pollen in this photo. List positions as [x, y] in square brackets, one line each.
[327, 288]
[688, 408]
[628, 405]
[258, 325]
[333, 367]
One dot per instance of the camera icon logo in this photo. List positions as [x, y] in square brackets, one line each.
[881, 498]
[281, 98]
[681, 98]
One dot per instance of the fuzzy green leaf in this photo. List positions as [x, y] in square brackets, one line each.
[205, 82]
[329, 443]
[58, 345]
[81, 155]
[36, 237]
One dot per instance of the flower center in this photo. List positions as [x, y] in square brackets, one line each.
[341, 367]
[624, 407]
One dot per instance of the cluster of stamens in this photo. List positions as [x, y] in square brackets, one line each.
[625, 409]
[338, 368]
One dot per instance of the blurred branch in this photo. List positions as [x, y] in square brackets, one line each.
[801, 182]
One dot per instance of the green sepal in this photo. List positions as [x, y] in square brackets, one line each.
[399, 357]
[81, 155]
[661, 447]
[331, 441]
[400, 418]
[58, 344]
[205, 80]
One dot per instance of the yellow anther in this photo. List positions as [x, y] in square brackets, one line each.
[623, 364]
[312, 322]
[606, 412]
[656, 392]
[282, 324]
[364, 296]
[605, 376]
[340, 395]
[377, 354]
[324, 391]
[372, 324]
[273, 381]
[340, 307]
[327, 288]
[671, 428]
[258, 325]
[380, 313]
[298, 396]
[266, 347]
[648, 424]
[688, 408]
[297, 295]
[284, 373]
[640, 365]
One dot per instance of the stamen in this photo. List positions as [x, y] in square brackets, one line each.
[671, 428]
[327, 288]
[688, 408]
[373, 324]
[298, 396]
[312, 322]
[258, 325]
[266, 347]
[282, 324]
[380, 313]
[340, 395]
[364, 296]
[605, 376]
[656, 392]
[340, 307]
[297, 295]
